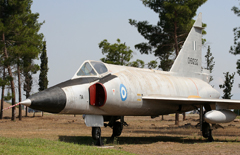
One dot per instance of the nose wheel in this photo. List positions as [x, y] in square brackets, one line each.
[96, 135]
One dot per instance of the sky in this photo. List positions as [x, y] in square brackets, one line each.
[73, 29]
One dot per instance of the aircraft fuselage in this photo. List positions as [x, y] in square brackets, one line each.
[123, 91]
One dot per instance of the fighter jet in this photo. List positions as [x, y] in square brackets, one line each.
[105, 93]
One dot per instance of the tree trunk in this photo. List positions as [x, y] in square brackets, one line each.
[1, 112]
[19, 92]
[12, 82]
[3, 88]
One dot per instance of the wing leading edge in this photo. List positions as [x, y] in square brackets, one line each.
[226, 103]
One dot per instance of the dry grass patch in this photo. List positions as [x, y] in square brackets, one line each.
[143, 135]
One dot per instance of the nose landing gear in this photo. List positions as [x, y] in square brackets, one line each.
[96, 135]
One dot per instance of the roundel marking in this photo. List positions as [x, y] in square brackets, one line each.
[123, 92]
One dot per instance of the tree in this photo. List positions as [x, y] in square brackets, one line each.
[138, 63]
[227, 85]
[152, 64]
[20, 38]
[175, 21]
[29, 68]
[4, 81]
[43, 80]
[235, 49]
[210, 63]
[118, 53]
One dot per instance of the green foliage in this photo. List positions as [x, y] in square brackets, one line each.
[138, 63]
[165, 61]
[235, 49]
[227, 86]
[152, 64]
[118, 53]
[43, 80]
[210, 63]
[175, 21]
[42, 146]
[27, 87]
[5, 81]
[22, 41]
[8, 97]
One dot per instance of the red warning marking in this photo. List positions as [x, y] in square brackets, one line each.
[195, 85]
[11, 106]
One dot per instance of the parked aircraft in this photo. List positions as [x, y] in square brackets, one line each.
[107, 93]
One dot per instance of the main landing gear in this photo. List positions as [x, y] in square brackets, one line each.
[116, 126]
[207, 131]
[205, 127]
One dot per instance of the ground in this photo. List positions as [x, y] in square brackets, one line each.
[143, 135]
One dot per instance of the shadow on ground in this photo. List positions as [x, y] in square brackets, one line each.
[85, 140]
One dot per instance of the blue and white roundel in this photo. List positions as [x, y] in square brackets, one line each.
[123, 92]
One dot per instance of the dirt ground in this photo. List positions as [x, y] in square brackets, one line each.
[143, 135]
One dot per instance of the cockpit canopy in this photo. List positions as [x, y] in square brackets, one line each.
[91, 68]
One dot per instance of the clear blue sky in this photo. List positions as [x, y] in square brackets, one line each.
[74, 28]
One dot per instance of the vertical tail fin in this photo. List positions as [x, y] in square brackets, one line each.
[189, 59]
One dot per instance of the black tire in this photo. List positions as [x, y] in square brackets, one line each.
[206, 130]
[96, 133]
[117, 129]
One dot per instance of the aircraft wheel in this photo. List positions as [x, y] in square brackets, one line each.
[117, 129]
[96, 133]
[205, 129]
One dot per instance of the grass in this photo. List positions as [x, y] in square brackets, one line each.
[38, 146]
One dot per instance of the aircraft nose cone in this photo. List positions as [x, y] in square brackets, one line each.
[51, 100]
[26, 102]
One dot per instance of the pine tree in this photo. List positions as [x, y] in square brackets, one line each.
[19, 28]
[175, 21]
[227, 86]
[210, 63]
[235, 49]
[29, 68]
[43, 80]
